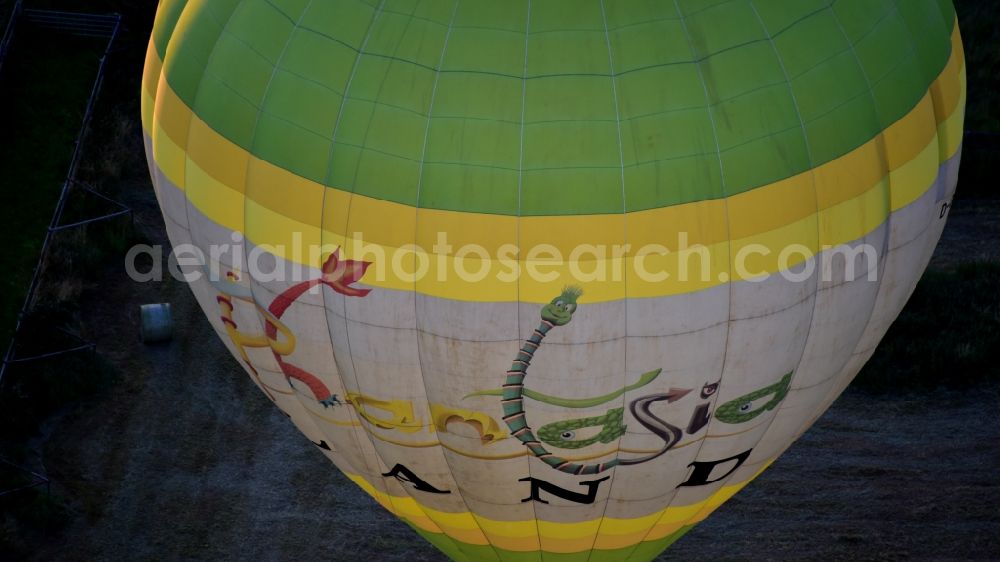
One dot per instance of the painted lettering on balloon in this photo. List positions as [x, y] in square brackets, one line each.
[670, 434]
[702, 473]
[386, 414]
[484, 425]
[585, 498]
[336, 273]
[702, 414]
[403, 474]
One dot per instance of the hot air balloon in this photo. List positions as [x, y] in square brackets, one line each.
[553, 279]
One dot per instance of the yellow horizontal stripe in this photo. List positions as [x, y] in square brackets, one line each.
[206, 191]
[191, 154]
[909, 181]
[952, 131]
[227, 162]
[947, 94]
[150, 79]
[530, 535]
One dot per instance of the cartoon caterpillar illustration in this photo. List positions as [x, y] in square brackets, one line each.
[561, 434]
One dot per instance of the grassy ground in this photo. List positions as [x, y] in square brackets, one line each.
[981, 34]
[6, 7]
[44, 86]
[947, 336]
[949, 331]
[43, 90]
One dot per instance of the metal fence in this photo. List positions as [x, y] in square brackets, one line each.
[8, 34]
[32, 479]
[86, 25]
[91, 26]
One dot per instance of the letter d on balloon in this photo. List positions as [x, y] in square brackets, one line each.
[703, 470]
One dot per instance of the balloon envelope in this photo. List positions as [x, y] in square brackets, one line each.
[553, 279]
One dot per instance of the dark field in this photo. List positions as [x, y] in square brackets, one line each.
[170, 452]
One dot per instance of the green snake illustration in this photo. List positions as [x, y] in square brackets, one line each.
[644, 379]
[742, 410]
[562, 434]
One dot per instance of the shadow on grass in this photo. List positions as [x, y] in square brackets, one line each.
[946, 337]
